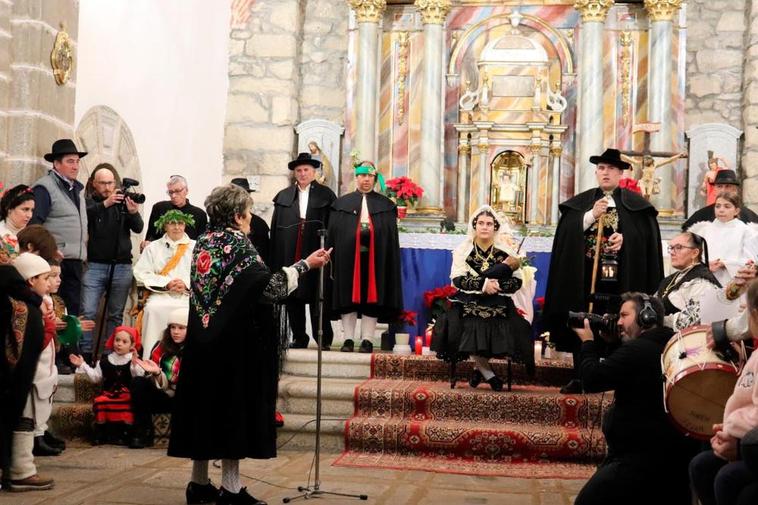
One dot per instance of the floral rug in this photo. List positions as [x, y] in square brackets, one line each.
[407, 417]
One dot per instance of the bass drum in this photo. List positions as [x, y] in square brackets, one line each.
[698, 382]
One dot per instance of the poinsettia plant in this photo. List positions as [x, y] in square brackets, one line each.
[437, 300]
[407, 317]
[404, 191]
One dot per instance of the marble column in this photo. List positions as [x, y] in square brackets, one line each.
[661, 13]
[464, 162]
[368, 13]
[533, 198]
[433, 13]
[590, 98]
[555, 180]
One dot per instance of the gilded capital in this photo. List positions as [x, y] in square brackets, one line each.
[368, 11]
[662, 10]
[593, 10]
[433, 12]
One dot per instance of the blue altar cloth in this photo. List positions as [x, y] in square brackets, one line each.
[425, 264]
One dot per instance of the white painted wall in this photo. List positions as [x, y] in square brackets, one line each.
[162, 66]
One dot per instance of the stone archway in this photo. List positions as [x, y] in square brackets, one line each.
[106, 137]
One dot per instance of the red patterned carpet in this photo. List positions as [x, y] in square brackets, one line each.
[407, 417]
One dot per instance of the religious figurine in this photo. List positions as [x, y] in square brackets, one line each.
[327, 173]
[537, 101]
[469, 100]
[707, 189]
[506, 194]
[484, 92]
[649, 184]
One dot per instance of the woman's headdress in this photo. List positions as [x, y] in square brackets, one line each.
[366, 167]
[174, 216]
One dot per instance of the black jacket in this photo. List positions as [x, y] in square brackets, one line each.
[102, 225]
[160, 208]
[636, 423]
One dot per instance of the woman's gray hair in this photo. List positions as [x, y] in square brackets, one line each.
[224, 203]
[177, 179]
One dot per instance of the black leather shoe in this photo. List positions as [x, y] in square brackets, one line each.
[198, 493]
[572, 388]
[54, 441]
[41, 448]
[326, 347]
[475, 378]
[299, 343]
[495, 383]
[348, 346]
[241, 498]
[366, 347]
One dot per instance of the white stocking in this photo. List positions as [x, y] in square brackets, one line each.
[200, 472]
[230, 475]
[368, 326]
[348, 325]
[483, 364]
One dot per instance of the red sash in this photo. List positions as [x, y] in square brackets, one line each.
[371, 296]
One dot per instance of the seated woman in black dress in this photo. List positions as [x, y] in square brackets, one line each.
[483, 322]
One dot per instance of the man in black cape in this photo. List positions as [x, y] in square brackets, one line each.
[259, 231]
[725, 181]
[631, 237]
[21, 336]
[366, 255]
[300, 211]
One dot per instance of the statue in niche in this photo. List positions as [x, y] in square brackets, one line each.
[537, 100]
[507, 190]
[707, 189]
[484, 100]
[327, 173]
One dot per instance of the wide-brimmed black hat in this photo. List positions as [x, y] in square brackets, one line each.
[612, 157]
[726, 177]
[243, 183]
[304, 159]
[61, 148]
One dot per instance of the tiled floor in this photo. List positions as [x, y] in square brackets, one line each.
[117, 475]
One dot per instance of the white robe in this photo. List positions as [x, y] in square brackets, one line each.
[733, 243]
[161, 302]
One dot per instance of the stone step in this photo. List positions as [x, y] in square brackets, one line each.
[299, 433]
[335, 364]
[297, 395]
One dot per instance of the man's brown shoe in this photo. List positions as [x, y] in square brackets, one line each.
[34, 483]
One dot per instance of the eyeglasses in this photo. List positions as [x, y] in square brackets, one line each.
[174, 191]
[679, 247]
[107, 183]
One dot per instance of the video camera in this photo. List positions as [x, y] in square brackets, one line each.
[127, 183]
[605, 326]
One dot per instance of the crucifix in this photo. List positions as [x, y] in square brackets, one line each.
[649, 183]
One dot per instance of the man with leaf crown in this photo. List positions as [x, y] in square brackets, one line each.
[363, 232]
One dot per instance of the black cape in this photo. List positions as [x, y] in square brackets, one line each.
[226, 395]
[640, 260]
[343, 225]
[16, 369]
[708, 213]
[284, 226]
[259, 236]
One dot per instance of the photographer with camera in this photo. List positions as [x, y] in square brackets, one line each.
[112, 215]
[647, 457]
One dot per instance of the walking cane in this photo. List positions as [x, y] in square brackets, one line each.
[596, 261]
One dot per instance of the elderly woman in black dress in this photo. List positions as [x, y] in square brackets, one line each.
[226, 394]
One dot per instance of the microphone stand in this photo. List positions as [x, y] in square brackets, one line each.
[315, 490]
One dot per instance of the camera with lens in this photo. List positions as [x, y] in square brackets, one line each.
[605, 326]
[128, 183]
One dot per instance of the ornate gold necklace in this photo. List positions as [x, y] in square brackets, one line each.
[675, 279]
[490, 252]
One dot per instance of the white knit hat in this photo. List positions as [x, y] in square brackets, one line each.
[179, 316]
[30, 265]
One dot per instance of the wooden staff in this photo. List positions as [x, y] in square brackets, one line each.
[596, 261]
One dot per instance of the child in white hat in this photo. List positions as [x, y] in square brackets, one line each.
[23, 472]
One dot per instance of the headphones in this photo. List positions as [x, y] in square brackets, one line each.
[647, 317]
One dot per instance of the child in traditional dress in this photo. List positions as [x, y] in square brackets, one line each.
[113, 409]
[39, 404]
[731, 242]
[154, 393]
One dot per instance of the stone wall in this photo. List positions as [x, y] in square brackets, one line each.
[722, 74]
[286, 65]
[34, 110]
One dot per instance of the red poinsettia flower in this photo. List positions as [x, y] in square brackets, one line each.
[540, 301]
[630, 184]
[407, 317]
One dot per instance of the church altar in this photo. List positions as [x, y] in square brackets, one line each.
[426, 259]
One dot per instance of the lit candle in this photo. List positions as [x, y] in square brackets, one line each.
[537, 350]
[429, 337]
[419, 345]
